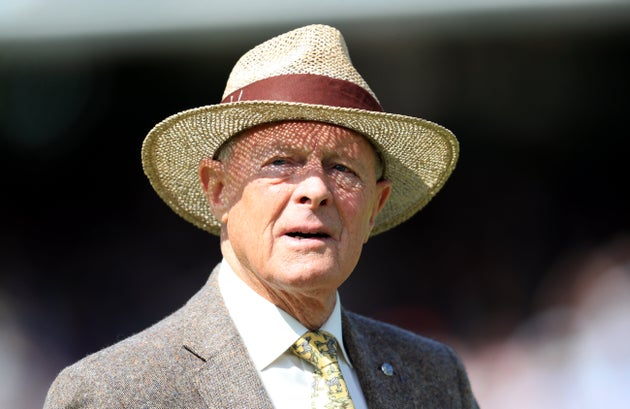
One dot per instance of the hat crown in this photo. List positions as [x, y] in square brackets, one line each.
[316, 49]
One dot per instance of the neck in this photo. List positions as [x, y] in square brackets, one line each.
[312, 312]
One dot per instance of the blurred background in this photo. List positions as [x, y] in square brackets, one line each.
[522, 262]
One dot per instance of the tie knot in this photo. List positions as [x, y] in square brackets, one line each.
[319, 348]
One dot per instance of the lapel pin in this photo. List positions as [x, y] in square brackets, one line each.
[387, 369]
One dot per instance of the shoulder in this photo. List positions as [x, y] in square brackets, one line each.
[136, 369]
[428, 370]
[404, 341]
[150, 366]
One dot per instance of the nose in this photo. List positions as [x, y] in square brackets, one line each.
[312, 190]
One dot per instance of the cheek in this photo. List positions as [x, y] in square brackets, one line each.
[258, 205]
[356, 213]
[356, 208]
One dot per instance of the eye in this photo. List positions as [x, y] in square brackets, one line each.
[278, 167]
[344, 175]
[277, 162]
[342, 168]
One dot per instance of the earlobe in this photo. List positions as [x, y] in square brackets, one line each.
[211, 176]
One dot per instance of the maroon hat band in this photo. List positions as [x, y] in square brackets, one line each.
[308, 89]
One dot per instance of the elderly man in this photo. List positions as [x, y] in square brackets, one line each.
[295, 169]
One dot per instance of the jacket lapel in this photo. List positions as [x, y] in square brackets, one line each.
[226, 377]
[372, 361]
[229, 380]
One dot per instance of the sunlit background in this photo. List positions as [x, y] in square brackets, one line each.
[522, 262]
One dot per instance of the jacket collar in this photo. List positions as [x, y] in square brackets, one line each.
[226, 377]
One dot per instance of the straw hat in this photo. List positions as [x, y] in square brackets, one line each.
[305, 74]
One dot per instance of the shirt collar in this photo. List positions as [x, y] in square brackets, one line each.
[267, 330]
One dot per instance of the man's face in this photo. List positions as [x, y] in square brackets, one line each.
[297, 201]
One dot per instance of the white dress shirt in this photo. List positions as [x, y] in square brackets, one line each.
[268, 332]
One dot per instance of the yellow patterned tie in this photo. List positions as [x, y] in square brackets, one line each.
[319, 348]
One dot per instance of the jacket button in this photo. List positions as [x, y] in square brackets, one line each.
[387, 369]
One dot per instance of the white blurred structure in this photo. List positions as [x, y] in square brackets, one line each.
[572, 355]
[46, 19]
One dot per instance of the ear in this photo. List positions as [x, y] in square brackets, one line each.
[383, 189]
[212, 177]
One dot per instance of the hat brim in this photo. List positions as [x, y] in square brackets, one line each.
[418, 155]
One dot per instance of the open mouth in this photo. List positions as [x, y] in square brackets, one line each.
[302, 235]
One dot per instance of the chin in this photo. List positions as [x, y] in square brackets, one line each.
[304, 275]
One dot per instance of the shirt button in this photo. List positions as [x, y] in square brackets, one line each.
[387, 369]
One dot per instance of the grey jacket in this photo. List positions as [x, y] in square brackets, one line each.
[195, 358]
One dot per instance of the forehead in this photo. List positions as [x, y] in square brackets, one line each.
[304, 136]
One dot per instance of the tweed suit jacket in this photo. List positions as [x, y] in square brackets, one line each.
[195, 358]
